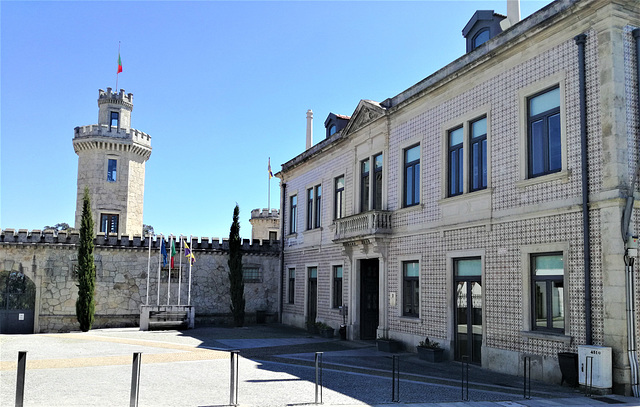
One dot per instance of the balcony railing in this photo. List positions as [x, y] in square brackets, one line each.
[363, 224]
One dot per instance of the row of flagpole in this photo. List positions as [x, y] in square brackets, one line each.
[162, 261]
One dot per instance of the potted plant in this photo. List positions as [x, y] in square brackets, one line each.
[325, 330]
[430, 351]
[312, 327]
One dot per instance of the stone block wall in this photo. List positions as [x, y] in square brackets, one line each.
[122, 265]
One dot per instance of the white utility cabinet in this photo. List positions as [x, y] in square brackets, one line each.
[602, 368]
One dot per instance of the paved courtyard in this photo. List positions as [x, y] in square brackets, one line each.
[276, 368]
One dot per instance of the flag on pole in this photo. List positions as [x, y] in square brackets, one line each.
[119, 64]
[270, 173]
[163, 250]
[173, 252]
[188, 254]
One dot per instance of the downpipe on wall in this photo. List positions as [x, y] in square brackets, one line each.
[283, 201]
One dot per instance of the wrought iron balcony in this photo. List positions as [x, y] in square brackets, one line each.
[362, 225]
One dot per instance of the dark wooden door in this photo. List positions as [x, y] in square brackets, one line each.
[17, 303]
[369, 298]
[312, 296]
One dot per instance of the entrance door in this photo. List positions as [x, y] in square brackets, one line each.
[468, 305]
[369, 294]
[312, 294]
[17, 303]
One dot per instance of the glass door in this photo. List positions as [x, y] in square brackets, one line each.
[468, 309]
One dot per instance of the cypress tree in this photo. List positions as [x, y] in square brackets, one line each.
[85, 304]
[235, 270]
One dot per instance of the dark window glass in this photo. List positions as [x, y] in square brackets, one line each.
[377, 182]
[294, 214]
[478, 157]
[544, 139]
[112, 166]
[292, 284]
[338, 207]
[273, 236]
[109, 223]
[548, 292]
[251, 275]
[480, 38]
[337, 286]
[456, 138]
[410, 288]
[115, 121]
[318, 209]
[412, 176]
[364, 185]
[309, 208]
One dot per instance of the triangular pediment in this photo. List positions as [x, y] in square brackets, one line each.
[366, 112]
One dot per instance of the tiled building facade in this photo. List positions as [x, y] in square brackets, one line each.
[454, 210]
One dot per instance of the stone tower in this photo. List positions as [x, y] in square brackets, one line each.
[265, 224]
[111, 163]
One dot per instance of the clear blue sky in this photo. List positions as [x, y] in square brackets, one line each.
[219, 86]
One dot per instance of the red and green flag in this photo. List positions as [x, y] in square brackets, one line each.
[173, 252]
[119, 64]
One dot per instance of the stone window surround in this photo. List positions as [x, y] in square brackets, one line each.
[293, 227]
[526, 252]
[557, 79]
[291, 296]
[307, 267]
[465, 121]
[400, 302]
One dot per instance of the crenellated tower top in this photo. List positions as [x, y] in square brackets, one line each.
[115, 109]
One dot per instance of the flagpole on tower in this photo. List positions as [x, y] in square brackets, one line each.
[269, 188]
[119, 67]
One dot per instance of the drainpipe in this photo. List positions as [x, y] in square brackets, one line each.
[581, 40]
[629, 256]
[283, 208]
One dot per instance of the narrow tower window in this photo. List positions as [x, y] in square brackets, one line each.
[115, 121]
[112, 173]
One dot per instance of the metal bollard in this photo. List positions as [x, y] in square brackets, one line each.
[464, 383]
[319, 376]
[395, 379]
[527, 377]
[135, 379]
[22, 365]
[233, 383]
[588, 379]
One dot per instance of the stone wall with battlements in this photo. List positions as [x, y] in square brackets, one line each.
[122, 266]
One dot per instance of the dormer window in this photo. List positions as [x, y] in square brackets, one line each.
[335, 123]
[332, 130]
[480, 38]
[115, 121]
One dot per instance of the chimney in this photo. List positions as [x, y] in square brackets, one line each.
[309, 129]
[513, 11]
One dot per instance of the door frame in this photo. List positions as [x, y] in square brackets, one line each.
[451, 293]
[306, 289]
[359, 295]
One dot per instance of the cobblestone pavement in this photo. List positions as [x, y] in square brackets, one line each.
[276, 368]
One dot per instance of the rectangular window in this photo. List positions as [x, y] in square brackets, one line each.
[293, 218]
[112, 166]
[456, 161]
[337, 286]
[478, 155]
[364, 185]
[251, 275]
[377, 182]
[411, 176]
[273, 236]
[318, 208]
[544, 147]
[338, 205]
[410, 288]
[292, 285]
[109, 223]
[114, 122]
[548, 292]
[309, 208]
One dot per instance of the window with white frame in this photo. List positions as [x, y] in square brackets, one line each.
[544, 140]
[377, 182]
[547, 296]
[293, 214]
[410, 288]
[467, 162]
[338, 203]
[411, 179]
[364, 185]
[314, 207]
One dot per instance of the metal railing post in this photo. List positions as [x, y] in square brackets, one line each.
[318, 376]
[135, 379]
[22, 365]
[395, 379]
[527, 377]
[588, 380]
[464, 380]
[233, 383]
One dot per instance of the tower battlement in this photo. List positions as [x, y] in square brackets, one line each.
[115, 97]
[265, 213]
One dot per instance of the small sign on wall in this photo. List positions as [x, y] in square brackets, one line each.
[392, 299]
[21, 317]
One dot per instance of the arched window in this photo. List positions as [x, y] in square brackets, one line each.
[480, 38]
[332, 130]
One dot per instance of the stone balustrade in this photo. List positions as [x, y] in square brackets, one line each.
[363, 224]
